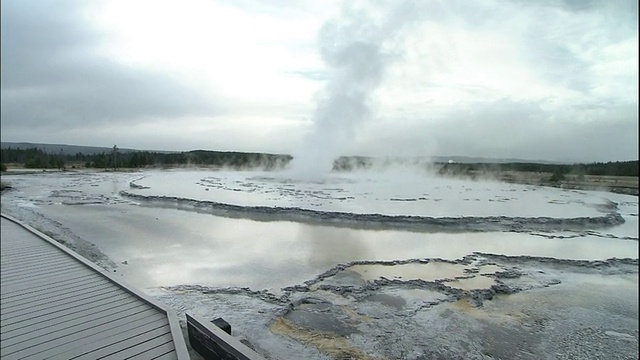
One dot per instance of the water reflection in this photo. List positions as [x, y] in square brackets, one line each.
[163, 246]
[173, 247]
[382, 193]
[328, 246]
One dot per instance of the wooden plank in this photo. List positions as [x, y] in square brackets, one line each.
[150, 330]
[13, 292]
[12, 252]
[38, 285]
[35, 273]
[114, 340]
[101, 312]
[66, 287]
[79, 326]
[43, 345]
[167, 356]
[34, 303]
[92, 294]
[100, 308]
[34, 257]
[18, 242]
[163, 349]
[80, 300]
[19, 267]
[10, 274]
[35, 277]
[18, 260]
[22, 262]
[139, 349]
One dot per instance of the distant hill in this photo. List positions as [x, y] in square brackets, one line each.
[64, 149]
[61, 148]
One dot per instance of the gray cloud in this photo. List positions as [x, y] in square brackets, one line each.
[57, 86]
[508, 129]
[593, 128]
[53, 76]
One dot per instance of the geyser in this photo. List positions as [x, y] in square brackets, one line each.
[354, 48]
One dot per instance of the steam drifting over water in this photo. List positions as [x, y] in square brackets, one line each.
[379, 200]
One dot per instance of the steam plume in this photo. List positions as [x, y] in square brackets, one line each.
[354, 46]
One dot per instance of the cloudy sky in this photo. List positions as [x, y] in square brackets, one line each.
[537, 80]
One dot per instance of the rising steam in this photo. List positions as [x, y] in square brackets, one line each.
[355, 48]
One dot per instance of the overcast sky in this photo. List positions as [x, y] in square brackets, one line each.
[538, 80]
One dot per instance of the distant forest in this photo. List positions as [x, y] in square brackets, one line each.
[617, 168]
[38, 159]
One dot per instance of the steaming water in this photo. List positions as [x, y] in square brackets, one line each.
[155, 244]
[382, 193]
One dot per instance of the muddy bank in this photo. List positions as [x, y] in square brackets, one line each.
[381, 221]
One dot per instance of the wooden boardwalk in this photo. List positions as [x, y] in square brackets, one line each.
[57, 305]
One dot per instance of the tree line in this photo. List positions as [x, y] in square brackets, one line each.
[32, 158]
[39, 159]
[611, 168]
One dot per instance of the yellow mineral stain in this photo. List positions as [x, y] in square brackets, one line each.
[330, 344]
[476, 282]
[464, 306]
[354, 316]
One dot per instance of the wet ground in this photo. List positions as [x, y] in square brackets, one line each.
[300, 271]
[521, 308]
